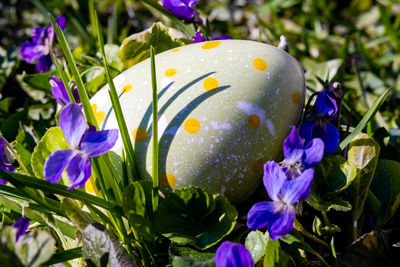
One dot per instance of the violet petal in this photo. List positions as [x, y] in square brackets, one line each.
[233, 255]
[78, 171]
[306, 130]
[283, 224]
[44, 63]
[293, 148]
[325, 105]
[97, 143]
[329, 135]
[298, 188]
[313, 153]
[73, 124]
[262, 214]
[21, 225]
[58, 90]
[61, 21]
[56, 163]
[28, 51]
[273, 179]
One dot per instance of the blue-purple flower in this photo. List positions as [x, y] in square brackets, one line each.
[200, 38]
[86, 143]
[5, 163]
[233, 255]
[182, 9]
[39, 48]
[278, 215]
[60, 92]
[318, 123]
[21, 225]
[300, 155]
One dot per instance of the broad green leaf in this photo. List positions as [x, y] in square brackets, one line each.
[101, 248]
[332, 175]
[63, 256]
[39, 81]
[136, 48]
[5, 104]
[32, 249]
[96, 83]
[9, 128]
[137, 204]
[295, 242]
[185, 257]
[272, 249]
[386, 188]
[52, 141]
[363, 154]
[256, 243]
[192, 216]
[75, 214]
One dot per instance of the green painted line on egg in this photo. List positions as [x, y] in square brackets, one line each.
[225, 108]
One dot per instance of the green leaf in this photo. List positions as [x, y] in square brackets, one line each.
[39, 81]
[52, 141]
[272, 250]
[136, 204]
[326, 231]
[295, 242]
[5, 104]
[101, 248]
[363, 154]
[8, 257]
[256, 243]
[32, 249]
[192, 216]
[386, 187]
[136, 48]
[185, 257]
[9, 128]
[332, 175]
[367, 117]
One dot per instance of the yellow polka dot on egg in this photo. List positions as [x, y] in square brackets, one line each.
[139, 134]
[260, 64]
[192, 126]
[211, 44]
[210, 84]
[99, 115]
[170, 72]
[127, 88]
[167, 180]
[296, 98]
[175, 50]
[253, 121]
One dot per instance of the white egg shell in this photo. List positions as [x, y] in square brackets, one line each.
[225, 108]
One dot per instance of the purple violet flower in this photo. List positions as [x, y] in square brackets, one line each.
[86, 143]
[233, 255]
[21, 225]
[278, 215]
[182, 9]
[200, 38]
[318, 123]
[39, 47]
[300, 155]
[60, 92]
[5, 163]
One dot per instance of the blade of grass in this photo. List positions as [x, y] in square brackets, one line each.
[367, 117]
[116, 104]
[23, 181]
[64, 256]
[64, 78]
[155, 131]
[187, 30]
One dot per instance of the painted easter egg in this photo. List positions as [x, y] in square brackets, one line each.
[225, 108]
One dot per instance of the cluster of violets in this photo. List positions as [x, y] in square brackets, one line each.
[40, 46]
[288, 182]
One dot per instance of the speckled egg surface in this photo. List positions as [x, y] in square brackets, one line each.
[225, 108]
